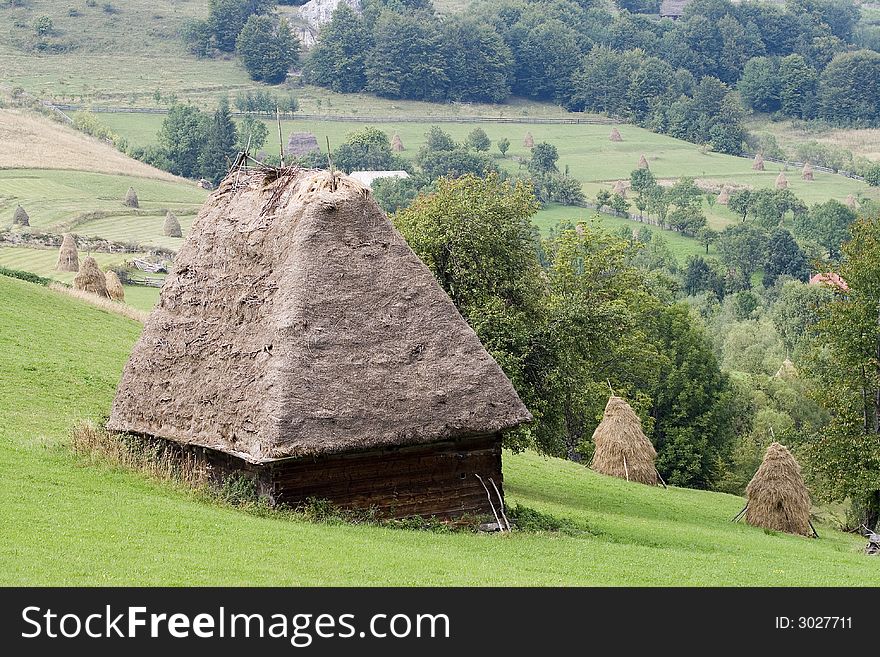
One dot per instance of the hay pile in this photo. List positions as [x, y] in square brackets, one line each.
[300, 144]
[68, 256]
[397, 144]
[787, 370]
[131, 198]
[807, 173]
[114, 286]
[781, 181]
[619, 188]
[529, 141]
[171, 227]
[20, 217]
[90, 278]
[723, 197]
[622, 449]
[615, 135]
[758, 164]
[851, 202]
[643, 162]
[777, 496]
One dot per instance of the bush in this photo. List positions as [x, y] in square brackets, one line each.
[872, 175]
[43, 26]
[24, 276]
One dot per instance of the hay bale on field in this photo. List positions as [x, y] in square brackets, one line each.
[171, 227]
[131, 198]
[90, 278]
[20, 217]
[528, 140]
[851, 202]
[758, 163]
[615, 135]
[114, 286]
[620, 188]
[622, 448]
[781, 181]
[68, 256]
[807, 172]
[723, 197]
[301, 143]
[397, 144]
[643, 162]
[777, 496]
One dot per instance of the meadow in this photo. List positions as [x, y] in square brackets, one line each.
[65, 522]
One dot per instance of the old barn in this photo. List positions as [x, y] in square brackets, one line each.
[301, 341]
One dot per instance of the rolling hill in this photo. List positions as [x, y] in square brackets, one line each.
[68, 522]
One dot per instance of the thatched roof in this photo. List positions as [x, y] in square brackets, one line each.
[298, 322]
[90, 278]
[807, 173]
[20, 217]
[622, 448]
[643, 162]
[114, 286]
[723, 197]
[68, 256]
[131, 198]
[615, 135]
[301, 143]
[397, 144]
[781, 181]
[528, 140]
[171, 226]
[777, 496]
[758, 163]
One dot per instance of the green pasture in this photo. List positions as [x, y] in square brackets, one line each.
[64, 522]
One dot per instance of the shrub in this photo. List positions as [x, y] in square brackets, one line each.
[24, 276]
[43, 26]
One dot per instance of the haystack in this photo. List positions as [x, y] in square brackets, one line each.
[622, 449]
[171, 227]
[781, 181]
[68, 256]
[131, 198]
[619, 188]
[777, 496]
[90, 278]
[529, 141]
[114, 286]
[320, 355]
[807, 173]
[851, 202]
[787, 370]
[723, 197]
[20, 217]
[615, 135]
[300, 144]
[397, 144]
[643, 162]
[758, 163]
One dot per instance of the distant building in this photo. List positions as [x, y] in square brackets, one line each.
[830, 278]
[673, 9]
[366, 178]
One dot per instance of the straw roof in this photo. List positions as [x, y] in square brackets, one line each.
[781, 181]
[90, 278]
[171, 226]
[622, 449]
[397, 144]
[301, 143]
[723, 197]
[807, 173]
[298, 322]
[758, 163]
[777, 496]
[20, 217]
[529, 141]
[68, 256]
[114, 286]
[131, 198]
[615, 135]
[643, 162]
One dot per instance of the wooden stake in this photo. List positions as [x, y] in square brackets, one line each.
[625, 469]
[280, 135]
[739, 515]
[330, 165]
[501, 503]
[488, 495]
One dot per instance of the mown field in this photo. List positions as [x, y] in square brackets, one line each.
[65, 522]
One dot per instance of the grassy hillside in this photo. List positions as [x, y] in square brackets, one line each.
[67, 523]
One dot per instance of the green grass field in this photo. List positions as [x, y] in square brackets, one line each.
[67, 523]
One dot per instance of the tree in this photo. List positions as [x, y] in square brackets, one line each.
[455, 163]
[797, 86]
[872, 175]
[219, 148]
[827, 224]
[846, 453]
[784, 258]
[742, 249]
[407, 58]
[641, 180]
[436, 139]
[338, 60]
[706, 236]
[504, 144]
[544, 158]
[368, 149]
[267, 49]
[393, 194]
[546, 60]
[849, 88]
[700, 276]
[759, 86]
[796, 313]
[252, 134]
[226, 18]
[479, 140]
[181, 138]
[740, 202]
[479, 64]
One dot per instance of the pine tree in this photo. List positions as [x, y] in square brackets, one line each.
[338, 60]
[220, 144]
[267, 49]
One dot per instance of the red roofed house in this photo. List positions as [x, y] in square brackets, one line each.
[829, 278]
